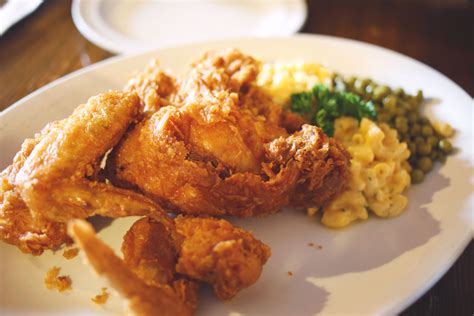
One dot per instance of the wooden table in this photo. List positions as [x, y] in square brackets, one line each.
[46, 46]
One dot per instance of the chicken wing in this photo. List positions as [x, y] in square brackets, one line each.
[223, 149]
[212, 251]
[54, 176]
[155, 274]
[143, 299]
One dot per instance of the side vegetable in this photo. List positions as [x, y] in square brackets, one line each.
[322, 106]
[427, 140]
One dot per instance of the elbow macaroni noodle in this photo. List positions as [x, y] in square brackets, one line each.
[379, 173]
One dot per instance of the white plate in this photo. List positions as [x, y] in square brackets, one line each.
[15, 10]
[378, 266]
[124, 26]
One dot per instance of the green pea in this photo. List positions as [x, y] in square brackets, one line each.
[424, 149]
[441, 157]
[384, 117]
[380, 92]
[400, 111]
[419, 96]
[412, 117]
[399, 91]
[426, 130]
[446, 146]
[370, 88]
[339, 85]
[360, 85]
[390, 103]
[412, 147]
[350, 81]
[417, 176]
[401, 124]
[432, 140]
[413, 159]
[419, 140]
[416, 129]
[425, 164]
[423, 120]
[412, 103]
[401, 120]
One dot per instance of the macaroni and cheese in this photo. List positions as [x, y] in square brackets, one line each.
[379, 173]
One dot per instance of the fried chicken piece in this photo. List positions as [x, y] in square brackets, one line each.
[143, 299]
[322, 163]
[222, 150]
[216, 252]
[154, 86]
[151, 254]
[17, 226]
[54, 176]
[212, 250]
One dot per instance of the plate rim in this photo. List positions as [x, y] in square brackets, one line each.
[397, 305]
[307, 36]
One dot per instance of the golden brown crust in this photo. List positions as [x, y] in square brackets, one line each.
[216, 252]
[70, 253]
[54, 176]
[17, 225]
[217, 150]
[54, 281]
[154, 87]
[101, 299]
[143, 299]
[151, 253]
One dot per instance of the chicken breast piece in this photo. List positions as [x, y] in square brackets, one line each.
[222, 148]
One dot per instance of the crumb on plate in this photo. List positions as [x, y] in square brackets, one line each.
[290, 273]
[70, 253]
[101, 298]
[311, 244]
[54, 281]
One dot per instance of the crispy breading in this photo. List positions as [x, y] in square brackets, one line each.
[54, 281]
[101, 299]
[151, 254]
[223, 149]
[154, 86]
[70, 253]
[212, 251]
[17, 225]
[54, 176]
[143, 299]
[218, 253]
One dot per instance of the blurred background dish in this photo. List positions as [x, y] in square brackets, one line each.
[12, 11]
[126, 26]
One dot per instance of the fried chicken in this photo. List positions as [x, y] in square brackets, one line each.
[155, 273]
[216, 252]
[54, 177]
[211, 250]
[222, 148]
[143, 299]
[151, 254]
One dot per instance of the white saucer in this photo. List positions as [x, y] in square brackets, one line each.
[125, 26]
[15, 10]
